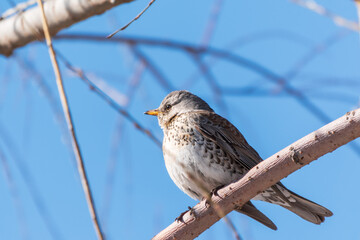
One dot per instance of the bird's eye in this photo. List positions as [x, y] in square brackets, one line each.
[167, 107]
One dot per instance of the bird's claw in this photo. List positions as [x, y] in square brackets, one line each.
[180, 217]
[207, 203]
[214, 192]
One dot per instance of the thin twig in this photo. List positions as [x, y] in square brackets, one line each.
[136, 18]
[67, 113]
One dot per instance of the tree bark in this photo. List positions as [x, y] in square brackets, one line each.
[25, 27]
[265, 174]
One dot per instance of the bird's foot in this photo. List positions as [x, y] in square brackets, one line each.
[207, 200]
[180, 217]
[214, 192]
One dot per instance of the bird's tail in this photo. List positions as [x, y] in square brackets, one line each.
[250, 210]
[303, 207]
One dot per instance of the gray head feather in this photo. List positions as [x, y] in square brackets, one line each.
[178, 102]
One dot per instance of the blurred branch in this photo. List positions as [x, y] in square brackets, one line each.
[39, 80]
[186, 47]
[211, 23]
[29, 181]
[265, 174]
[67, 113]
[357, 5]
[109, 100]
[315, 51]
[317, 8]
[164, 82]
[330, 81]
[4, 82]
[15, 195]
[193, 49]
[246, 40]
[212, 82]
[266, 35]
[117, 139]
[313, 92]
[231, 225]
[25, 27]
[206, 38]
[200, 50]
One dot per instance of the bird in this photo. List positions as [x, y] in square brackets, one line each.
[204, 151]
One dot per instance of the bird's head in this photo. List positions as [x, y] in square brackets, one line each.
[176, 103]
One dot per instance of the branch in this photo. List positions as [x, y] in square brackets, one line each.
[357, 5]
[134, 19]
[261, 70]
[68, 117]
[154, 70]
[14, 192]
[338, 20]
[26, 27]
[265, 174]
[113, 103]
[31, 185]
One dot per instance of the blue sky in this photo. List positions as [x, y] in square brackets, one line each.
[136, 198]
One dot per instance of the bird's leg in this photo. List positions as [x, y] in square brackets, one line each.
[180, 217]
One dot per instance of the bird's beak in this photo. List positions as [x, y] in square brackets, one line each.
[154, 112]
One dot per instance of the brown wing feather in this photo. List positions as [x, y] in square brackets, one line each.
[228, 138]
[232, 142]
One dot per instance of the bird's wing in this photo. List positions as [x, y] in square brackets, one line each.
[227, 137]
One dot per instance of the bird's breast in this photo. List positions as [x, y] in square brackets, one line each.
[190, 164]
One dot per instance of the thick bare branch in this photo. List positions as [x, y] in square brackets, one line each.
[265, 174]
[26, 27]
